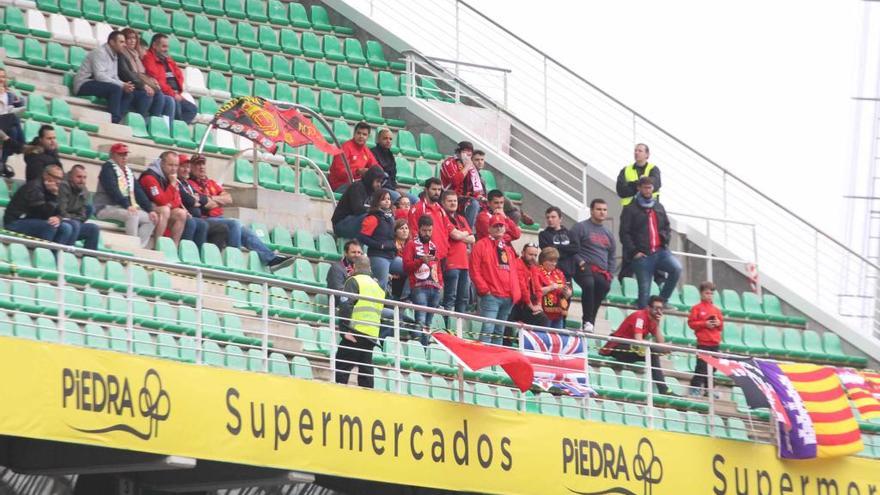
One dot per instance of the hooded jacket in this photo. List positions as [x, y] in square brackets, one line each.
[490, 273]
[386, 160]
[356, 199]
[157, 187]
[36, 158]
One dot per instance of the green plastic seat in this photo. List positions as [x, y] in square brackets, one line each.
[428, 147]
[70, 8]
[301, 368]
[328, 248]
[191, 5]
[260, 65]
[278, 364]
[240, 86]
[736, 429]
[423, 171]
[298, 16]
[375, 55]
[329, 104]
[38, 108]
[407, 144]
[160, 21]
[247, 35]
[159, 131]
[372, 113]
[367, 81]
[176, 50]
[203, 27]
[82, 144]
[226, 32]
[263, 89]
[345, 78]
[612, 412]
[311, 45]
[732, 338]
[234, 9]
[354, 52]
[195, 54]
[235, 358]
[114, 13]
[14, 20]
[239, 61]
[256, 10]
[171, 4]
[290, 42]
[405, 171]
[217, 57]
[51, 6]
[283, 92]
[306, 97]
[731, 304]
[56, 56]
[323, 75]
[267, 176]
[13, 46]
[813, 345]
[696, 423]
[752, 306]
[287, 178]
[773, 341]
[281, 68]
[773, 310]
[60, 112]
[320, 18]
[268, 38]
[304, 243]
[350, 106]
[277, 13]
[310, 184]
[302, 71]
[388, 84]
[753, 339]
[182, 135]
[24, 327]
[212, 354]
[834, 350]
[793, 343]
[690, 295]
[208, 105]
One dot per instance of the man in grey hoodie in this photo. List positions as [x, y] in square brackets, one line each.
[99, 76]
[594, 261]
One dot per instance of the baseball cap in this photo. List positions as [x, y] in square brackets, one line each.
[498, 219]
[181, 159]
[119, 148]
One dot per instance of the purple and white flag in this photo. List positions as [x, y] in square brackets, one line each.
[800, 441]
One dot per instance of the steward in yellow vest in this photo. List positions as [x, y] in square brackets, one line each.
[629, 175]
[359, 322]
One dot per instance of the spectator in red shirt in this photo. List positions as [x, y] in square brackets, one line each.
[430, 205]
[707, 322]
[455, 273]
[496, 207]
[461, 174]
[495, 279]
[528, 309]
[159, 182]
[377, 233]
[421, 262]
[555, 292]
[637, 326]
[160, 66]
[359, 156]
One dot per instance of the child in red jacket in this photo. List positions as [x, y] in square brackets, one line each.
[706, 321]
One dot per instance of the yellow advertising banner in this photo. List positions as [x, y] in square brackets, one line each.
[109, 399]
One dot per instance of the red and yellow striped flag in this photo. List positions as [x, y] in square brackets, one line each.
[837, 432]
[859, 390]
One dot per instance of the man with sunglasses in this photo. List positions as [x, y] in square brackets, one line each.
[33, 209]
[637, 326]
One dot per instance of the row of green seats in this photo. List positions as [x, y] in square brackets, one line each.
[296, 305]
[56, 111]
[13, 19]
[301, 243]
[73, 142]
[280, 178]
[259, 11]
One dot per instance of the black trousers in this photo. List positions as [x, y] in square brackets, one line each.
[594, 288]
[624, 354]
[522, 313]
[701, 375]
[358, 353]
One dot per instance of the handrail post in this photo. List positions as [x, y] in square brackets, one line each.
[264, 344]
[129, 317]
[331, 302]
[62, 310]
[200, 283]
[816, 265]
[504, 77]
[649, 376]
[546, 110]
[398, 349]
[460, 374]
[710, 386]
[585, 345]
[585, 209]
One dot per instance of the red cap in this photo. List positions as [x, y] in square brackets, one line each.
[181, 159]
[119, 148]
[498, 219]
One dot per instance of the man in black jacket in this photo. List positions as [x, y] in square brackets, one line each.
[33, 209]
[644, 234]
[40, 152]
[352, 207]
[73, 205]
[557, 236]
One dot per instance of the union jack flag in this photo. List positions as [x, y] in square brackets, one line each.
[558, 361]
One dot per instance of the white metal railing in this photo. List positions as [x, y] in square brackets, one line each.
[265, 311]
[591, 124]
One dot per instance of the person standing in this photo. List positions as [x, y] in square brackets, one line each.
[707, 322]
[495, 207]
[593, 261]
[457, 284]
[555, 292]
[430, 205]
[628, 178]
[528, 309]
[398, 281]
[359, 322]
[558, 237]
[421, 262]
[377, 233]
[495, 279]
[645, 234]
[459, 173]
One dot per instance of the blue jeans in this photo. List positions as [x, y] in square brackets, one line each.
[380, 267]
[185, 111]
[250, 240]
[34, 227]
[424, 296]
[16, 140]
[560, 323]
[163, 106]
[471, 210]
[118, 100]
[456, 289]
[141, 102]
[234, 227]
[349, 226]
[644, 269]
[497, 308]
[87, 232]
[196, 230]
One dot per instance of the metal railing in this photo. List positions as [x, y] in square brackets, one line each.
[599, 129]
[232, 318]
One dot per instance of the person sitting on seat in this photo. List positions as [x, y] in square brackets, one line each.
[98, 75]
[73, 205]
[638, 326]
[360, 159]
[11, 133]
[40, 152]
[216, 233]
[352, 207]
[159, 182]
[33, 209]
[119, 197]
[161, 67]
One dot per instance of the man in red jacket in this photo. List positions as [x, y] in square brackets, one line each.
[706, 321]
[495, 279]
[461, 173]
[430, 205]
[638, 326]
[496, 207]
[528, 309]
[359, 156]
[159, 64]
[159, 182]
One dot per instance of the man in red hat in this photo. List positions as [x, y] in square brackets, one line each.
[119, 197]
[493, 273]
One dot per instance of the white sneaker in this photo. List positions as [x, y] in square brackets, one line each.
[587, 328]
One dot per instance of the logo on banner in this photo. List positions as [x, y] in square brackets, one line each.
[588, 458]
[111, 397]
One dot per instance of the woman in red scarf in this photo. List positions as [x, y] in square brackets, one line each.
[555, 292]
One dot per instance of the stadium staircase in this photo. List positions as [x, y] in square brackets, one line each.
[349, 66]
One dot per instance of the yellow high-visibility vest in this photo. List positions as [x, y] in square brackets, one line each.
[366, 315]
[631, 175]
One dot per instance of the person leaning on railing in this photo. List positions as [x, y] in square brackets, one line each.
[359, 320]
[638, 326]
